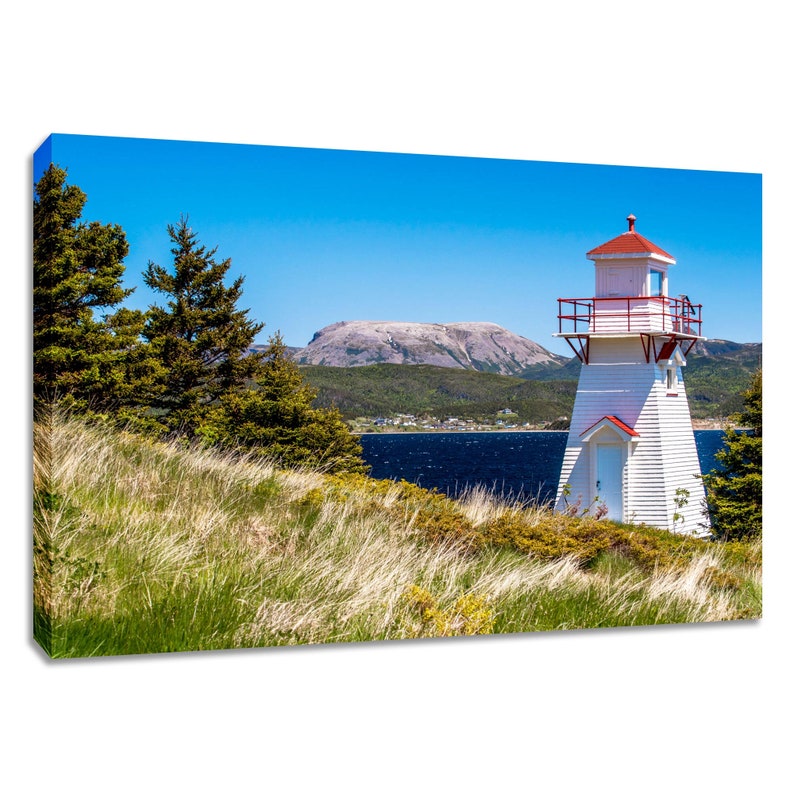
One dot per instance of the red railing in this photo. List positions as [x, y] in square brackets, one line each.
[639, 314]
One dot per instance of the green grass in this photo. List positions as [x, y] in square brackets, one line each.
[140, 547]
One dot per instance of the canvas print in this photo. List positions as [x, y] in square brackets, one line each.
[289, 396]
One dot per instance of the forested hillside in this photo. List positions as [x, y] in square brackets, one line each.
[389, 389]
[716, 374]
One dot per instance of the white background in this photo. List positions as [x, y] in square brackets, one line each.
[686, 85]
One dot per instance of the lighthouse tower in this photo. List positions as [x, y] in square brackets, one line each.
[631, 444]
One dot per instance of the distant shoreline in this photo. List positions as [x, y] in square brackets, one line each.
[394, 431]
[709, 424]
[697, 424]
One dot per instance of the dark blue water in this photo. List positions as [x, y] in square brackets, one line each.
[516, 464]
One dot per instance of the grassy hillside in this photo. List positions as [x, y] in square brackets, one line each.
[140, 547]
[389, 389]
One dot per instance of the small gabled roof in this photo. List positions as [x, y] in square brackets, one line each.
[623, 430]
[628, 243]
[671, 352]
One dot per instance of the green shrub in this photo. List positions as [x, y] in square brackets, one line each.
[469, 615]
[734, 492]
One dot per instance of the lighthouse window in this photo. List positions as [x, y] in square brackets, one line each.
[672, 379]
[657, 280]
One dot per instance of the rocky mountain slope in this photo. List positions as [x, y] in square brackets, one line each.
[748, 353]
[485, 347]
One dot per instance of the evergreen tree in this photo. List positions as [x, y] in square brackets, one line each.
[734, 492]
[200, 338]
[79, 350]
[277, 419]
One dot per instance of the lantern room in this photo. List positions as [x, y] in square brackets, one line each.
[630, 265]
[631, 298]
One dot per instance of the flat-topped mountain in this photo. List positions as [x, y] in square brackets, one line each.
[485, 347]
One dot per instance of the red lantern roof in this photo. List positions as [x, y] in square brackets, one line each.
[629, 242]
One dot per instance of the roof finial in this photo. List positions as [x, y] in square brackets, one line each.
[631, 220]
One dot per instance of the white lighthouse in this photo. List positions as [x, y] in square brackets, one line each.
[631, 446]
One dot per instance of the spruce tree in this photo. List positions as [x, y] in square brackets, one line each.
[734, 491]
[200, 338]
[80, 350]
[276, 419]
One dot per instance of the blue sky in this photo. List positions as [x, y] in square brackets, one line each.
[328, 235]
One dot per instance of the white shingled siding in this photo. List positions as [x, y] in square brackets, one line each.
[619, 382]
[627, 275]
[621, 315]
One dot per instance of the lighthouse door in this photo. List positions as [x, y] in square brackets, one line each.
[609, 479]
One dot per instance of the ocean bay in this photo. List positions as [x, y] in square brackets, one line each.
[519, 464]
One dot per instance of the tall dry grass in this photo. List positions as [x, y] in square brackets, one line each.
[146, 547]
